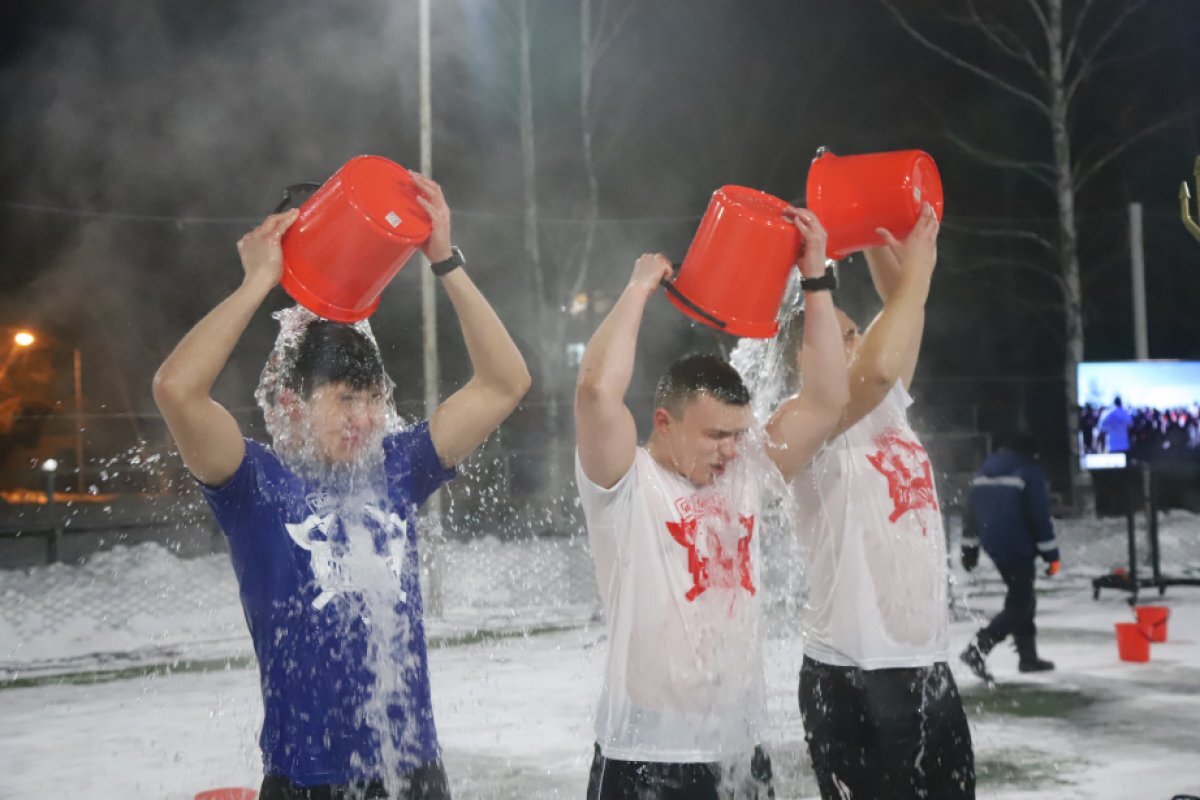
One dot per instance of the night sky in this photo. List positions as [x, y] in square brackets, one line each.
[142, 138]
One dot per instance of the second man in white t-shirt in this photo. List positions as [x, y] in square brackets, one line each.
[674, 528]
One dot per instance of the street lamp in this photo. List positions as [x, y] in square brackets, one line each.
[25, 338]
[21, 340]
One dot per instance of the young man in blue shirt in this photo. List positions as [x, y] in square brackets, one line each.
[321, 530]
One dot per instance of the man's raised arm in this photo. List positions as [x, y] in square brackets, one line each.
[500, 378]
[605, 432]
[886, 351]
[207, 435]
[803, 422]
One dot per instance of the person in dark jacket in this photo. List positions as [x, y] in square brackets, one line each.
[1008, 512]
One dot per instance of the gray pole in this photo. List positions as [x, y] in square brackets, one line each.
[429, 310]
[1141, 346]
[1137, 263]
[77, 365]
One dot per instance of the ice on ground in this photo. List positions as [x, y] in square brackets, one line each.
[131, 676]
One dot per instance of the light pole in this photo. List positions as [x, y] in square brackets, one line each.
[77, 369]
[54, 544]
[429, 297]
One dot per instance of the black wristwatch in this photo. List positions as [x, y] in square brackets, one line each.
[452, 263]
[827, 282]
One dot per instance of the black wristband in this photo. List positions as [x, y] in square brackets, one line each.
[452, 263]
[826, 282]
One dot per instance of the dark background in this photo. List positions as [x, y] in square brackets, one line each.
[141, 139]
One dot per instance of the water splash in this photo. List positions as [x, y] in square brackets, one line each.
[288, 414]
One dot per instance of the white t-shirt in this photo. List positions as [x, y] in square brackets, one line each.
[677, 569]
[869, 519]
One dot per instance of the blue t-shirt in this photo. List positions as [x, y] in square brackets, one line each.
[290, 541]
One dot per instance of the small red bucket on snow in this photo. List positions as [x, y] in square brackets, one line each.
[1153, 620]
[352, 236]
[854, 195]
[228, 793]
[1132, 642]
[736, 269]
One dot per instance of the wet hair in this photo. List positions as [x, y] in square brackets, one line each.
[332, 352]
[699, 373]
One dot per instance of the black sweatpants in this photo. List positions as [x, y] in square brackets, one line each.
[427, 782]
[1020, 604]
[611, 779]
[886, 734]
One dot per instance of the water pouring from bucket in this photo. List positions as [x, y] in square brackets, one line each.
[737, 267]
[352, 236]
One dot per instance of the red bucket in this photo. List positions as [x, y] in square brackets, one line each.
[352, 237]
[1153, 620]
[854, 195]
[228, 793]
[736, 269]
[1132, 642]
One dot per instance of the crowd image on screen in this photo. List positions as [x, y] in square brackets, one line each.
[1145, 433]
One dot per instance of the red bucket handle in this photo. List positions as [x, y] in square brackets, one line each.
[678, 295]
[290, 192]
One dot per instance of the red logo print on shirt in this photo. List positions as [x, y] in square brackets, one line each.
[712, 565]
[905, 464]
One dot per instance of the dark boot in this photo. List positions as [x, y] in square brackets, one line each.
[975, 656]
[1027, 651]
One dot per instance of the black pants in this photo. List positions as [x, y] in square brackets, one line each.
[1020, 604]
[427, 782]
[888, 734]
[611, 779]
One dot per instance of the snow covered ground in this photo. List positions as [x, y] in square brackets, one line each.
[130, 676]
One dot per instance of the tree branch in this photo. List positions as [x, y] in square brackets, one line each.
[989, 265]
[1084, 174]
[1073, 39]
[1040, 171]
[1088, 70]
[1132, 7]
[1014, 48]
[601, 43]
[1003, 233]
[974, 69]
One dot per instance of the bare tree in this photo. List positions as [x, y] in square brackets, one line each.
[1043, 55]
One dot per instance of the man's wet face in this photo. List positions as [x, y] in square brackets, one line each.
[705, 437]
[346, 423]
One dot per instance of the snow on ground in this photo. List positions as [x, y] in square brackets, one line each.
[129, 676]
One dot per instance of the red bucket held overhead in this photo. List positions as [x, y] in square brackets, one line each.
[736, 269]
[352, 237]
[854, 195]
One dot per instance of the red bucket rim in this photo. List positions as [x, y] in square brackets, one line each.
[228, 793]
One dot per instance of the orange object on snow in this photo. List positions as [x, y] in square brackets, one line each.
[1153, 620]
[228, 793]
[1133, 644]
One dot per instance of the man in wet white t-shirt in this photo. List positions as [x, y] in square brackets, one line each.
[674, 529]
[882, 715]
